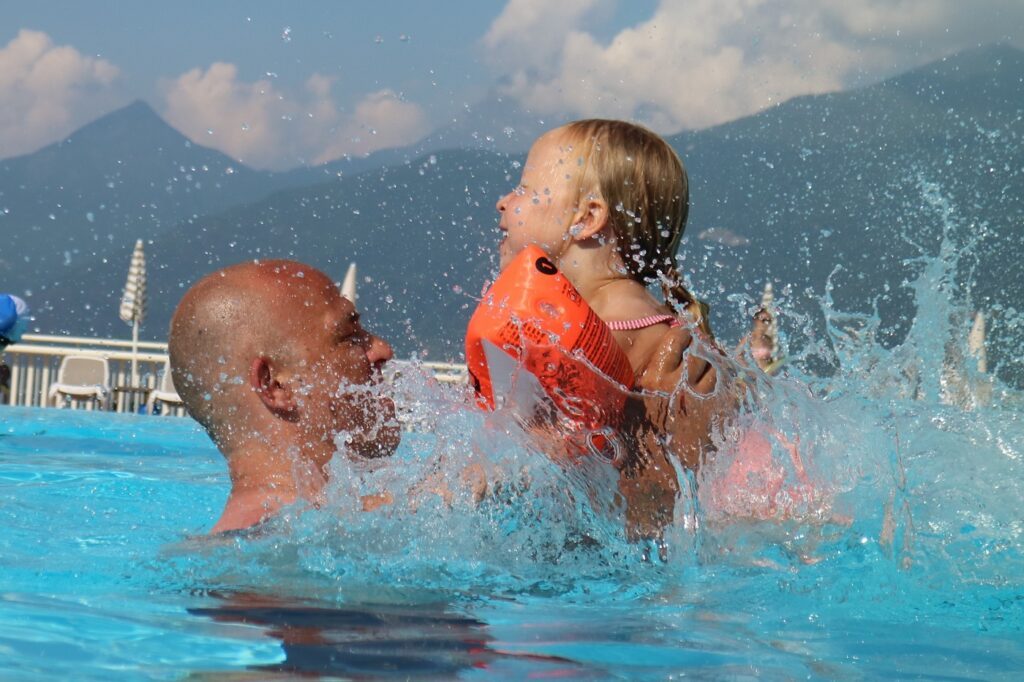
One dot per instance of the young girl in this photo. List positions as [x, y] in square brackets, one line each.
[607, 202]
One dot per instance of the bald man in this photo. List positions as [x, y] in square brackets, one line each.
[274, 363]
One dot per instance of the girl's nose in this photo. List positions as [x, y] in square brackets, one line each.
[502, 202]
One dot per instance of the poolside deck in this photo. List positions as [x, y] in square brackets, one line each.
[35, 361]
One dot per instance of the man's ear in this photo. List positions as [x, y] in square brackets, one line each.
[274, 395]
[591, 218]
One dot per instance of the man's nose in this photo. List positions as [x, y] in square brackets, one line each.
[502, 202]
[379, 351]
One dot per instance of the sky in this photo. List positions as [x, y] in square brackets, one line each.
[276, 85]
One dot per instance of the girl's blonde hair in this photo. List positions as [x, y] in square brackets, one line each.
[644, 184]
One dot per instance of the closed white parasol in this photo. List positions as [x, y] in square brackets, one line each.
[133, 302]
[348, 286]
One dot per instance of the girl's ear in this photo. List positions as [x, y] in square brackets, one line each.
[275, 396]
[591, 218]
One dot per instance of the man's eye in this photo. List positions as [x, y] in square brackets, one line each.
[356, 337]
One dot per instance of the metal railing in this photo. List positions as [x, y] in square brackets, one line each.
[34, 362]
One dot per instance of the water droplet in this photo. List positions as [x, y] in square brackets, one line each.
[548, 309]
[286, 34]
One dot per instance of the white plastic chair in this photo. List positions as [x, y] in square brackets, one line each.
[82, 376]
[166, 393]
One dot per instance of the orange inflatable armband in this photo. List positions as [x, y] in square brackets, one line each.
[533, 314]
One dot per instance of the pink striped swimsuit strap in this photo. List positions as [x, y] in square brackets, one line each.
[642, 323]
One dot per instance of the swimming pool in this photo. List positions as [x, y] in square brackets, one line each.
[915, 571]
[904, 557]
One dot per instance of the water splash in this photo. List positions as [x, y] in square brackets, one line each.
[882, 485]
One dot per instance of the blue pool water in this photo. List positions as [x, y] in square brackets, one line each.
[897, 553]
[104, 570]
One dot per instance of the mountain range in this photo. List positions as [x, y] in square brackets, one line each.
[853, 190]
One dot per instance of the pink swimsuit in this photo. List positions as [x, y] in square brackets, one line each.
[642, 323]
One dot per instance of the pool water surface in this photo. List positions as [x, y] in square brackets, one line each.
[105, 569]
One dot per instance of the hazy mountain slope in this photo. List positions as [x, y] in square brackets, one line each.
[423, 233]
[495, 124]
[853, 187]
[123, 176]
[869, 180]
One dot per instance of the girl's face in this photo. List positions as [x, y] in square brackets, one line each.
[540, 210]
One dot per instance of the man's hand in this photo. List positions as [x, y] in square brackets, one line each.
[473, 478]
[682, 398]
[671, 415]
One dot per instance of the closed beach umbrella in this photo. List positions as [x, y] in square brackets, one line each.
[348, 287]
[133, 302]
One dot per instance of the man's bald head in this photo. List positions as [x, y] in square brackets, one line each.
[227, 318]
[275, 364]
[272, 340]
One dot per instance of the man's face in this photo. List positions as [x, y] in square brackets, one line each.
[338, 372]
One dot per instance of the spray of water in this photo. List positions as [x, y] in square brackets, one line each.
[896, 472]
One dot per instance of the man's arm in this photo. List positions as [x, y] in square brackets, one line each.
[684, 395]
[678, 402]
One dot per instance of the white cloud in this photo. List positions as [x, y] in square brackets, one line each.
[529, 33]
[267, 127]
[379, 121]
[48, 90]
[216, 109]
[701, 62]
